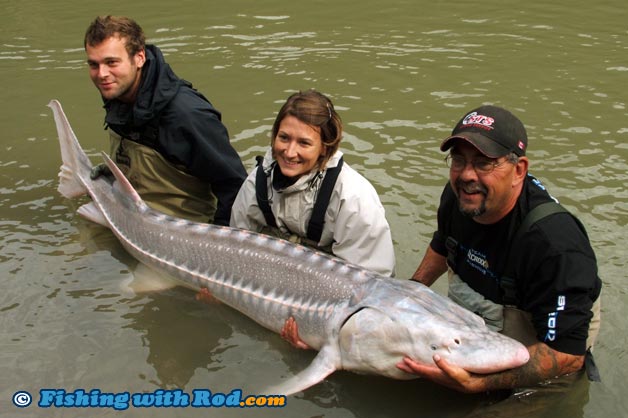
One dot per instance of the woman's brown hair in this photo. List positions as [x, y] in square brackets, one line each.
[315, 109]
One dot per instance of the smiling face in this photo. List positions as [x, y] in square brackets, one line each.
[487, 197]
[297, 147]
[116, 74]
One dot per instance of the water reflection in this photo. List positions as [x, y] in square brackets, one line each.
[179, 333]
[179, 341]
[566, 396]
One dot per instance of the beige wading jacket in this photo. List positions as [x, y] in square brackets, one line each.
[355, 228]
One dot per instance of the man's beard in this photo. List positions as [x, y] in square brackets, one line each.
[472, 213]
[470, 187]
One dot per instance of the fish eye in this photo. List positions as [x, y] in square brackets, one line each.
[433, 347]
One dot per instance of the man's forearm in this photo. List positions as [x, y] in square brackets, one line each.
[431, 268]
[544, 364]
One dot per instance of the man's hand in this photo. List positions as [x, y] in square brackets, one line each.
[100, 170]
[205, 295]
[445, 374]
[544, 364]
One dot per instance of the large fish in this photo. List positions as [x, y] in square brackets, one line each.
[358, 320]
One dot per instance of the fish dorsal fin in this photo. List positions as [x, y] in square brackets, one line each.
[325, 363]
[123, 183]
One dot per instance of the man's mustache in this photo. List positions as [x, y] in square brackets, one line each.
[471, 186]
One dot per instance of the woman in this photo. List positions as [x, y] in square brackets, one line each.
[303, 192]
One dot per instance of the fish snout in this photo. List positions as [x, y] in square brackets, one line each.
[521, 357]
[486, 356]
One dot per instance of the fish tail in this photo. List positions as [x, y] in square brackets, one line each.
[76, 164]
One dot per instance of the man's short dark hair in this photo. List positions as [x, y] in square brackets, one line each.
[104, 27]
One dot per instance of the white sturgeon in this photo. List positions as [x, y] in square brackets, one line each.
[358, 320]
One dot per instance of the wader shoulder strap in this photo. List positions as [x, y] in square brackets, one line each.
[261, 193]
[452, 252]
[507, 282]
[451, 244]
[315, 227]
[541, 211]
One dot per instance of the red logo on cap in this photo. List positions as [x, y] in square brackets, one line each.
[485, 122]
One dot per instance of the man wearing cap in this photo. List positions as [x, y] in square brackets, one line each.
[538, 283]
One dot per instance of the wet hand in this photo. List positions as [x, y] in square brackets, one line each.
[445, 374]
[100, 170]
[290, 333]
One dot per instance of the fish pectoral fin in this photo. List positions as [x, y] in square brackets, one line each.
[147, 280]
[325, 363]
[90, 212]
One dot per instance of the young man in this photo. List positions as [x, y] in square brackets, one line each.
[537, 283]
[166, 137]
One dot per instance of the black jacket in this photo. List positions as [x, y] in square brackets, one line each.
[181, 124]
[555, 270]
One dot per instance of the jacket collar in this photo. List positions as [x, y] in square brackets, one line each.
[158, 86]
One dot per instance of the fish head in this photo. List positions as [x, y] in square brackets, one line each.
[420, 325]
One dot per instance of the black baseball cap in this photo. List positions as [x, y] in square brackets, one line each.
[494, 131]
